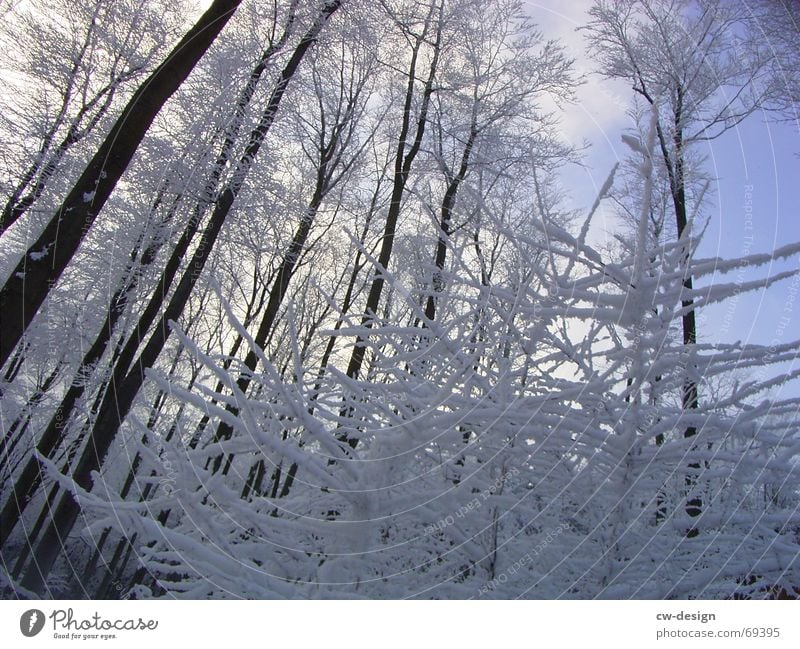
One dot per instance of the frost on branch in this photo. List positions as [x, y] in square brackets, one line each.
[528, 444]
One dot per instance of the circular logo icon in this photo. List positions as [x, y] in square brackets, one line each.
[31, 622]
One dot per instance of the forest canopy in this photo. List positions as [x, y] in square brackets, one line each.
[295, 304]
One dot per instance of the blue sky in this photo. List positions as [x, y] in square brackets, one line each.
[760, 154]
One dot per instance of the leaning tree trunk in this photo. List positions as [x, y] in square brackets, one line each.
[276, 296]
[403, 163]
[118, 402]
[31, 477]
[45, 261]
[330, 156]
[349, 297]
[446, 218]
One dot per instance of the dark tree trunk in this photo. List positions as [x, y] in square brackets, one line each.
[30, 478]
[276, 296]
[677, 185]
[40, 268]
[448, 203]
[118, 402]
[689, 397]
[404, 160]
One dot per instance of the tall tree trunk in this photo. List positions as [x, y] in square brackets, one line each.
[111, 570]
[404, 159]
[677, 184]
[689, 397]
[403, 163]
[347, 302]
[45, 261]
[276, 296]
[30, 478]
[448, 203]
[125, 387]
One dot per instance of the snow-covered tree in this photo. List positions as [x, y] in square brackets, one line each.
[334, 333]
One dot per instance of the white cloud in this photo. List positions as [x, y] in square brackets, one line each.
[599, 112]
